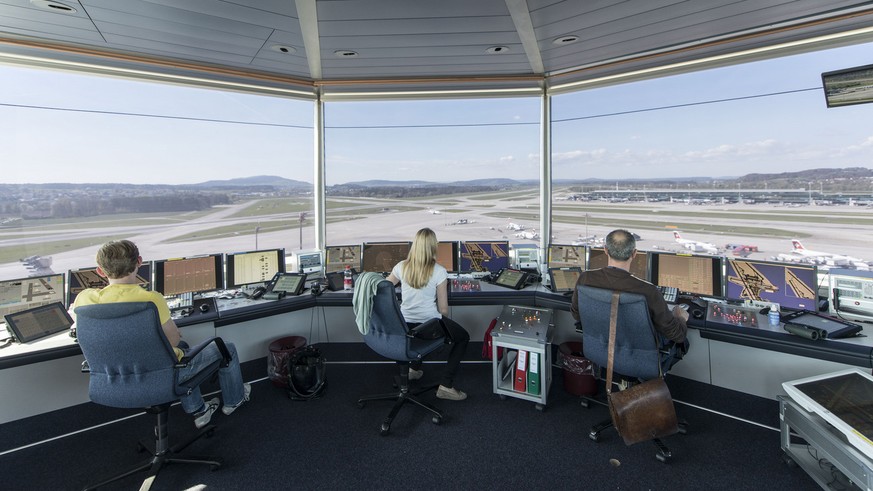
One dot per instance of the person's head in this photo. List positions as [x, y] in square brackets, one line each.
[118, 258]
[418, 267]
[424, 247]
[620, 245]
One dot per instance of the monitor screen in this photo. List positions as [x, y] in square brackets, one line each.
[309, 262]
[381, 257]
[245, 268]
[189, 275]
[849, 86]
[80, 279]
[850, 293]
[695, 275]
[447, 256]
[337, 257]
[566, 256]
[484, 256]
[27, 293]
[564, 280]
[639, 266]
[792, 286]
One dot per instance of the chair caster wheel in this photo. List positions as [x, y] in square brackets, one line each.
[210, 433]
[540, 407]
[663, 457]
[214, 467]
[584, 403]
[683, 428]
[789, 461]
[386, 427]
[502, 397]
[361, 404]
[437, 420]
[140, 448]
[594, 436]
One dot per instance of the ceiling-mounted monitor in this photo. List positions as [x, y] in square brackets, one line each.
[848, 87]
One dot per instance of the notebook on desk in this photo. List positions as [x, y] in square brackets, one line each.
[38, 322]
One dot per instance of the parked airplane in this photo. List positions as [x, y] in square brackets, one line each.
[515, 226]
[433, 211]
[826, 257]
[528, 234]
[694, 245]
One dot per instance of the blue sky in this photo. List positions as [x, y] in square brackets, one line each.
[768, 134]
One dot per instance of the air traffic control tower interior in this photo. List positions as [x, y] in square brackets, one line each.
[238, 144]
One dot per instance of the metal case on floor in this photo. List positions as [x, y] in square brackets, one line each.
[523, 333]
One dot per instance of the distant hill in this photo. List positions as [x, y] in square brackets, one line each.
[274, 181]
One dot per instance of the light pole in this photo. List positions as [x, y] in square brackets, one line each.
[257, 229]
[302, 218]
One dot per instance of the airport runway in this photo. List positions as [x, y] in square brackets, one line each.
[818, 223]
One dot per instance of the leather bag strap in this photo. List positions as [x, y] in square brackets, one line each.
[613, 318]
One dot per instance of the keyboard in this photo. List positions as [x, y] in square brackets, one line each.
[670, 293]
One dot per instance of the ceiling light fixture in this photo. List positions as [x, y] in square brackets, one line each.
[569, 39]
[497, 50]
[345, 53]
[53, 6]
[286, 50]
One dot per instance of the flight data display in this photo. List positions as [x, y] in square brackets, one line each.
[564, 279]
[789, 285]
[245, 268]
[336, 258]
[81, 279]
[381, 257]
[27, 293]
[189, 275]
[566, 256]
[484, 256]
[597, 258]
[695, 275]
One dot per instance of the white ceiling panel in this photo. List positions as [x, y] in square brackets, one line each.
[410, 39]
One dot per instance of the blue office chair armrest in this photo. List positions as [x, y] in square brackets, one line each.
[193, 351]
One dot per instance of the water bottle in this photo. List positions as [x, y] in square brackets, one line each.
[347, 278]
[773, 315]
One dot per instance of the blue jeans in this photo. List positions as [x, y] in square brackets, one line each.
[229, 377]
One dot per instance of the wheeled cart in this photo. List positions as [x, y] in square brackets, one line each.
[521, 354]
[824, 450]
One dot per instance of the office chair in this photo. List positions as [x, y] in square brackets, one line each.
[637, 355]
[132, 365]
[390, 337]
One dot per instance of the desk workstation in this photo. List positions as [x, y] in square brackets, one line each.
[754, 360]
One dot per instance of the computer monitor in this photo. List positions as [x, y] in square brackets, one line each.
[690, 274]
[336, 258]
[792, 286]
[597, 259]
[850, 293]
[246, 268]
[447, 255]
[381, 257]
[563, 280]
[309, 263]
[566, 256]
[26, 293]
[189, 274]
[484, 256]
[81, 279]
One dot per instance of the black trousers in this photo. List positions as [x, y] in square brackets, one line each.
[458, 338]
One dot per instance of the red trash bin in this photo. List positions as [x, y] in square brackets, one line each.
[277, 361]
[578, 371]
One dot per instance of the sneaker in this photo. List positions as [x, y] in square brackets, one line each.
[202, 418]
[415, 374]
[247, 389]
[450, 394]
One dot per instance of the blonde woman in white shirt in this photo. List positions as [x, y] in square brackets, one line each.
[425, 296]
